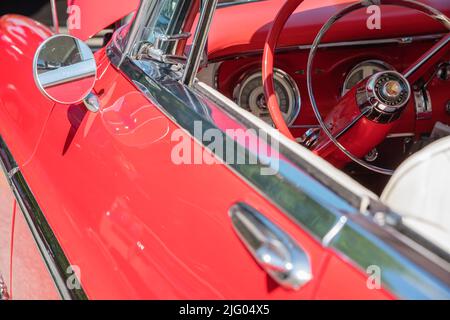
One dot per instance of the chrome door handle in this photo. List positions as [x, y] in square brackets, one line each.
[274, 250]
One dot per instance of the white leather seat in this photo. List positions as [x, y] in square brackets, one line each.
[419, 190]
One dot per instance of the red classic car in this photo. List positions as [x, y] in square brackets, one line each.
[219, 151]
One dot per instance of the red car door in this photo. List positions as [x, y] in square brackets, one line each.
[137, 225]
[115, 215]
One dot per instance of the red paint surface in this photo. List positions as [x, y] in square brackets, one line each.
[334, 283]
[121, 218]
[94, 16]
[228, 36]
[268, 65]
[362, 137]
[132, 220]
[23, 108]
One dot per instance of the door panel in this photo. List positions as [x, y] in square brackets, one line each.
[136, 224]
[340, 280]
[31, 279]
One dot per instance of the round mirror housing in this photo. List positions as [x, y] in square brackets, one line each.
[64, 69]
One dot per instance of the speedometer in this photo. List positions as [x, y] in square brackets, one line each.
[362, 71]
[249, 94]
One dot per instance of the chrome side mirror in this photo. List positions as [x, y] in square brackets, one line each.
[64, 69]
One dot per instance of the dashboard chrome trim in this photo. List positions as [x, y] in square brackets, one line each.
[340, 44]
[231, 3]
[401, 135]
[430, 54]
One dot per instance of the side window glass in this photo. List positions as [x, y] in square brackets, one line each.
[166, 13]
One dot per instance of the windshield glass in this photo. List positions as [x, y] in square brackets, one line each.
[165, 19]
[166, 14]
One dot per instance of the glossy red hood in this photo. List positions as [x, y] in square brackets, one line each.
[88, 17]
[243, 28]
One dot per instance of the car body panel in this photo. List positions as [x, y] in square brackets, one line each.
[22, 104]
[336, 287]
[137, 225]
[87, 17]
[130, 230]
[129, 227]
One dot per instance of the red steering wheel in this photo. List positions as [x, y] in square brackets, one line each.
[267, 66]
[382, 105]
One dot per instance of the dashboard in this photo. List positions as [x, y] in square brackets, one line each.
[338, 67]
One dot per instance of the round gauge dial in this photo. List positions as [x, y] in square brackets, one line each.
[362, 71]
[250, 96]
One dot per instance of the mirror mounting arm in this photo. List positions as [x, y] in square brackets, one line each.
[150, 52]
[92, 102]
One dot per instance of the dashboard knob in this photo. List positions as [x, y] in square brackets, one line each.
[447, 107]
[444, 71]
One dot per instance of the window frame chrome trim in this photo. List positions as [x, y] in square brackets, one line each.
[231, 3]
[143, 17]
[199, 42]
[54, 11]
[137, 27]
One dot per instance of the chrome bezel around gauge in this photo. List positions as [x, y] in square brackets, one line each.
[281, 78]
[366, 68]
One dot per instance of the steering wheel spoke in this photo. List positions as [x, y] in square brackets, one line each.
[350, 125]
[431, 57]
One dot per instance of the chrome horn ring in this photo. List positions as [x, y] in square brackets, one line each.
[410, 4]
